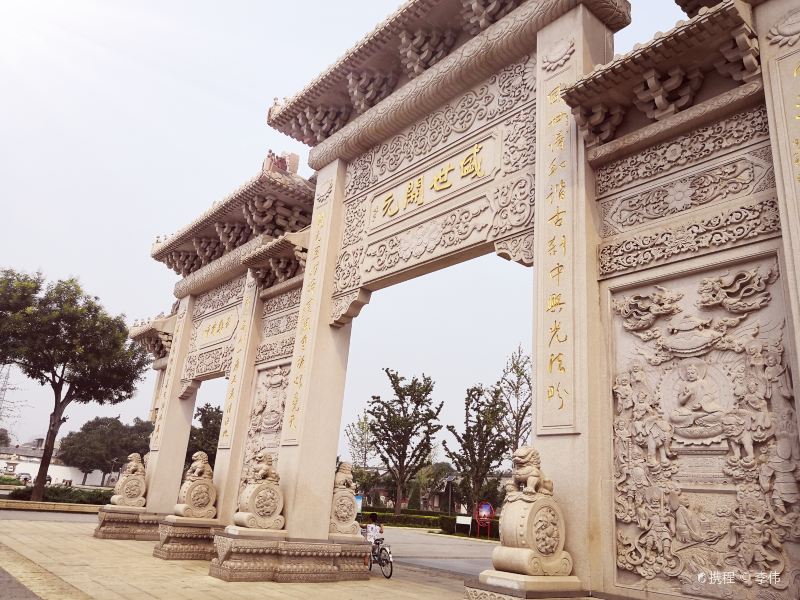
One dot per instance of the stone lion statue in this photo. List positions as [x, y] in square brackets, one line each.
[344, 477]
[134, 466]
[199, 469]
[527, 472]
[263, 469]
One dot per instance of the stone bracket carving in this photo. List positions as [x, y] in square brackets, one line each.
[315, 124]
[660, 96]
[480, 14]
[420, 49]
[599, 123]
[367, 88]
[347, 307]
[518, 248]
[741, 58]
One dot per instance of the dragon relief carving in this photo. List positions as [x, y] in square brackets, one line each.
[703, 380]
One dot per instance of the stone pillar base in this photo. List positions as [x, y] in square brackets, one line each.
[244, 554]
[514, 587]
[127, 523]
[182, 538]
[499, 585]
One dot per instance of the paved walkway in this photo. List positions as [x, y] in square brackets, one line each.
[57, 560]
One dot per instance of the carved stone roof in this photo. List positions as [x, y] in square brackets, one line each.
[411, 41]
[692, 7]
[284, 246]
[273, 180]
[615, 80]
[702, 69]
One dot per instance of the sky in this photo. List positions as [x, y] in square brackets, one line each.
[121, 121]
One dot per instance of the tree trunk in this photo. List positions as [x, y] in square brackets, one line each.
[398, 499]
[49, 444]
[85, 474]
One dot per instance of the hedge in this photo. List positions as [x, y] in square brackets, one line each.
[448, 525]
[6, 480]
[57, 493]
[383, 510]
[405, 520]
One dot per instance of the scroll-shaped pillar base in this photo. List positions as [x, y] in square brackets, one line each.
[127, 523]
[245, 554]
[186, 539]
[260, 506]
[196, 499]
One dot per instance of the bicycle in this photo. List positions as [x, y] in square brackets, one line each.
[382, 555]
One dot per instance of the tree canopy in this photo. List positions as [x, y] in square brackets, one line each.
[517, 394]
[482, 444]
[360, 441]
[61, 337]
[403, 427]
[104, 443]
[205, 437]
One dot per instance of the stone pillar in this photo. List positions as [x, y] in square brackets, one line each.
[237, 405]
[568, 339]
[173, 423]
[310, 435]
[778, 26]
[151, 416]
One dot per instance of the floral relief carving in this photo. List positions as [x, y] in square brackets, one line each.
[348, 268]
[703, 394]
[228, 293]
[275, 349]
[558, 55]
[729, 227]
[732, 132]
[737, 177]
[518, 248]
[513, 205]
[282, 302]
[278, 325]
[199, 364]
[502, 92]
[519, 141]
[786, 32]
[354, 222]
[447, 231]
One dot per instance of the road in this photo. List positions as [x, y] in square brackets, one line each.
[417, 547]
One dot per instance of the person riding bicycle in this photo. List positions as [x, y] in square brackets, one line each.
[374, 529]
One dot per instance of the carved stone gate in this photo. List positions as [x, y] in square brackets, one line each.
[656, 197]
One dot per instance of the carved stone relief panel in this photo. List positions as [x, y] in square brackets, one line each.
[266, 418]
[740, 129]
[737, 176]
[460, 178]
[279, 322]
[498, 96]
[227, 294]
[706, 454]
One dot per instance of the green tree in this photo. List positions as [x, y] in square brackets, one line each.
[403, 428]
[482, 445]
[5, 439]
[365, 480]
[360, 441]
[517, 394]
[104, 444]
[431, 479]
[64, 338]
[205, 437]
